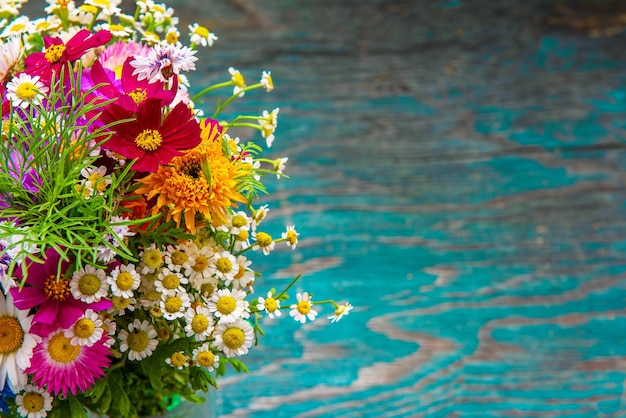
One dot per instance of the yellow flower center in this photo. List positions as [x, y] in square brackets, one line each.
[206, 358]
[26, 91]
[58, 290]
[116, 28]
[89, 284]
[157, 8]
[88, 8]
[54, 53]
[270, 82]
[178, 359]
[226, 304]
[179, 258]
[120, 303]
[138, 95]
[11, 334]
[171, 281]
[238, 79]
[84, 328]
[270, 305]
[32, 402]
[17, 27]
[292, 238]
[201, 31]
[233, 338]
[156, 311]
[239, 221]
[173, 304]
[304, 307]
[102, 3]
[137, 340]
[224, 265]
[124, 281]
[207, 289]
[199, 323]
[152, 258]
[61, 350]
[240, 272]
[163, 333]
[243, 235]
[171, 38]
[201, 263]
[264, 239]
[149, 140]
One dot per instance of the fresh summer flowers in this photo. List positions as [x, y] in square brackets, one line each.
[129, 220]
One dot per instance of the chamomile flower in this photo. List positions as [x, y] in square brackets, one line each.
[269, 122]
[199, 323]
[123, 304]
[266, 81]
[177, 257]
[10, 54]
[303, 309]
[237, 222]
[107, 8]
[33, 402]
[23, 89]
[119, 31]
[340, 311]
[234, 339]
[140, 340]
[48, 24]
[17, 27]
[200, 35]
[200, 268]
[178, 360]
[269, 305]
[124, 280]
[291, 237]
[87, 330]
[225, 265]
[279, 166]
[203, 356]
[264, 241]
[259, 215]
[174, 305]
[238, 80]
[89, 284]
[170, 281]
[229, 305]
[244, 276]
[151, 260]
[172, 35]
[96, 180]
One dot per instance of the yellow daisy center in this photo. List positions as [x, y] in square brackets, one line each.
[17, 27]
[61, 350]
[224, 265]
[243, 235]
[138, 340]
[138, 95]
[120, 303]
[116, 28]
[178, 359]
[163, 333]
[84, 328]
[207, 289]
[171, 38]
[173, 304]
[149, 139]
[102, 3]
[291, 237]
[201, 31]
[26, 91]
[264, 239]
[179, 258]
[238, 221]
[54, 53]
[233, 338]
[201, 263]
[240, 272]
[89, 284]
[88, 8]
[32, 402]
[199, 323]
[270, 305]
[157, 8]
[156, 311]
[226, 305]
[238, 79]
[58, 290]
[152, 258]
[11, 334]
[171, 281]
[124, 281]
[304, 307]
[206, 358]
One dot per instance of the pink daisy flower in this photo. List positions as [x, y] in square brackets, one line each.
[61, 367]
[114, 55]
[51, 295]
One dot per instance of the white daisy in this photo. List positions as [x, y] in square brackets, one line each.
[16, 343]
[291, 237]
[23, 89]
[174, 305]
[151, 260]
[10, 54]
[235, 338]
[264, 241]
[340, 311]
[177, 257]
[140, 340]
[303, 309]
[33, 402]
[238, 80]
[229, 305]
[244, 277]
[269, 305]
[279, 166]
[200, 270]
[17, 27]
[96, 180]
[225, 265]
[119, 31]
[199, 322]
[237, 222]
[122, 304]
[204, 357]
[259, 215]
[163, 61]
[47, 24]
[200, 35]
[266, 81]
[124, 280]
[89, 284]
[170, 281]
[87, 330]
[269, 122]
[178, 360]
[107, 7]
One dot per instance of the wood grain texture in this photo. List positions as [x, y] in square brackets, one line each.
[457, 174]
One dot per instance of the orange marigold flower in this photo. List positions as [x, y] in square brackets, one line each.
[183, 189]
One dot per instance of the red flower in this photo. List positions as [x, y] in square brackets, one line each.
[150, 139]
[57, 54]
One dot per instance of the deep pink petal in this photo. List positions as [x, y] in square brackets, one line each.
[69, 313]
[149, 114]
[47, 312]
[27, 298]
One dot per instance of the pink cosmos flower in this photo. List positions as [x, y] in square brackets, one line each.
[51, 295]
[61, 367]
[57, 54]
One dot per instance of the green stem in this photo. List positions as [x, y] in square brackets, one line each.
[211, 88]
[223, 106]
[289, 286]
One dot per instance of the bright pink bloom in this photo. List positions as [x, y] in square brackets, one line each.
[57, 54]
[60, 367]
[52, 298]
[151, 139]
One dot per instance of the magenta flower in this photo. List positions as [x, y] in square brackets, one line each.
[57, 54]
[52, 298]
[61, 367]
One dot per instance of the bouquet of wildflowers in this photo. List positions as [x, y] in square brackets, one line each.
[128, 220]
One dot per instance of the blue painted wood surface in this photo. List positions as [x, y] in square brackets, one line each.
[457, 174]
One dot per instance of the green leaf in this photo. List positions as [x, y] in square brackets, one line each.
[76, 408]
